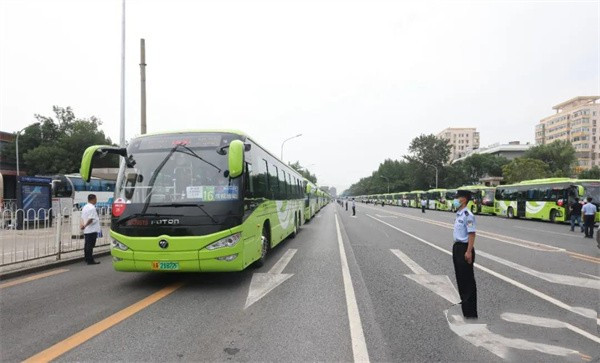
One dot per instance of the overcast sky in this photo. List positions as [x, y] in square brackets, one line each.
[358, 79]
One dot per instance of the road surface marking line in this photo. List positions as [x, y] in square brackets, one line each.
[592, 276]
[497, 237]
[588, 313]
[359, 345]
[32, 278]
[573, 254]
[415, 267]
[263, 283]
[547, 323]
[550, 277]
[584, 259]
[88, 333]
[541, 230]
[280, 265]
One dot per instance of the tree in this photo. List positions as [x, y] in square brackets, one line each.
[558, 155]
[426, 153]
[303, 171]
[524, 169]
[55, 145]
[473, 168]
[593, 173]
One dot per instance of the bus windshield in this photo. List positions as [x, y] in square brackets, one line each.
[179, 174]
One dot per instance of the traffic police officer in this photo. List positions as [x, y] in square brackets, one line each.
[463, 254]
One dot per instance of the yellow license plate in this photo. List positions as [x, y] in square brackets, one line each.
[165, 266]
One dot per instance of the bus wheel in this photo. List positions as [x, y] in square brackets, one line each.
[265, 246]
[473, 209]
[552, 216]
[510, 213]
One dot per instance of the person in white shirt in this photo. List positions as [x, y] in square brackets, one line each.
[90, 224]
[589, 217]
[423, 205]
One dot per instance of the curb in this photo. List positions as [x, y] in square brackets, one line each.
[47, 266]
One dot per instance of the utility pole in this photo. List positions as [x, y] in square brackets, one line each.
[143, 81]
[122, 123]
[388, 182]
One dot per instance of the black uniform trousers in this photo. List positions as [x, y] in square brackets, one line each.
[588, 223]
[353, 210]
[88, 248]
[465, 278]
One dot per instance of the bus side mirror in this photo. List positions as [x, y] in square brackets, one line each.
[236, 158]
[94, 152]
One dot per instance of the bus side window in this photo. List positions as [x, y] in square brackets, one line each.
[249, 180]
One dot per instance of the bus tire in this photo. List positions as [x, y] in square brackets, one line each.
[553, 216]
[265, 242]
[474, 209]
[510, 213]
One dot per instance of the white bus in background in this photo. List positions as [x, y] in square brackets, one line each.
[70, 192]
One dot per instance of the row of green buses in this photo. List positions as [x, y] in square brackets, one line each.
[206, 201]
[543, 199]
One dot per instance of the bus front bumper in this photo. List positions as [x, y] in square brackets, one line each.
[195, 260]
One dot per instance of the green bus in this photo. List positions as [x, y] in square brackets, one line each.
[544, 199]
[310, 199]
[414, 198]
[206, 201]
[482, 201]
[436, 199]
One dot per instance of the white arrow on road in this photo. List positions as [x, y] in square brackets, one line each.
[264, 283]
[440, 284]
[477, 334]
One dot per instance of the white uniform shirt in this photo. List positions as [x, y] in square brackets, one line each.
[589, 209]
[89, 212]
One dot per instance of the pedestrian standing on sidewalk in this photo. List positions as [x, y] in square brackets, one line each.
[353, 207]
[589, 217]
[346, 204]
[575, 210]
[463, 254]
[423, 205]
[90, 224]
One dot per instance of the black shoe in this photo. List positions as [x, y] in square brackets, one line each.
[93, 263]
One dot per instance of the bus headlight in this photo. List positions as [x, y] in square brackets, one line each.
[118, 245]
[228, 258]
[228, 241]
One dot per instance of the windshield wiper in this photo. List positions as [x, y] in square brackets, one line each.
[193, 153]
[175, 205]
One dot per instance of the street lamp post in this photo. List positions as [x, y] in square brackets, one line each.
[388, 182]
[436, 174]
[284, 141]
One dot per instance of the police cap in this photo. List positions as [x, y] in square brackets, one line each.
[463, 193]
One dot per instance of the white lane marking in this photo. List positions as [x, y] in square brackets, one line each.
[480, 336]
[359, 345]
[264, 283]
[279, 266]
[588, 313]
[477, 334]
[550, 277]
[547, 323]
[439, 284]
[497, 237]
[596, 277]
[415, 267]
[380, 216]
[541, 230]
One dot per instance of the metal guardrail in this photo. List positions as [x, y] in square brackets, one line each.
[44, 233]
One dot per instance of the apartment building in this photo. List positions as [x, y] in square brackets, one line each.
[462, 140]
[575, 120]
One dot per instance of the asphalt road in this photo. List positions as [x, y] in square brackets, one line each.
[378, 286]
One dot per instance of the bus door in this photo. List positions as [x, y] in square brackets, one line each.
[521, 208]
